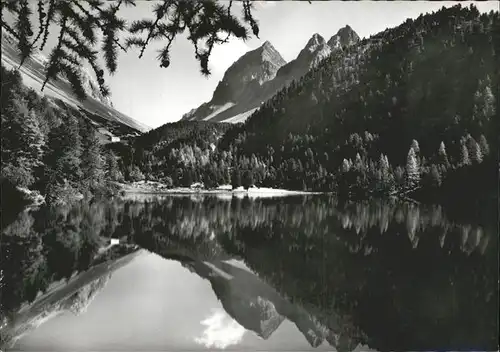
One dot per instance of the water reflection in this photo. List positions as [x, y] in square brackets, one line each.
[221, 331]
[296, 273]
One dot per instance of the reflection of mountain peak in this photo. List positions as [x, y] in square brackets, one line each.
[313, 331]
[270, 319]
[253, 303]
[242, 303]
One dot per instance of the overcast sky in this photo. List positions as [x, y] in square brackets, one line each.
[154, 95]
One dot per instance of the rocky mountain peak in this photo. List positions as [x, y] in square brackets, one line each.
[345, 36]
[247, 74]
[267, 44]
[315, 42]
[271, 55]
[260, 73]
[315, 50]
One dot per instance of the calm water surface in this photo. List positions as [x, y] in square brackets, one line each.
[203, 273]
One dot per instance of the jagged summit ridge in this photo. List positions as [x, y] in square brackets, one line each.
[345, 36]
[242, 81]
[271, 55]
[268, 46]
[315, 50]
[315, 41]
[259, 64]
[260, 73]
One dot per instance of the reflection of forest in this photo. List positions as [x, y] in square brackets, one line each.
[45, 256]
[389, 275]
[74, 295]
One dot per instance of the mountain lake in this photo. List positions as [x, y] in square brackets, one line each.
[297, 273]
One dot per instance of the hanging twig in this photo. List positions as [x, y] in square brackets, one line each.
[50, 15]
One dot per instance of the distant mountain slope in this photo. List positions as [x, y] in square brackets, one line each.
[32, 72]
[259, 74]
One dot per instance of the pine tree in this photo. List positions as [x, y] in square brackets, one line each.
[33, 139]
[92, 164]
[22, 142]
[236, 178]
[384, 165]
[478, 155]
[412, 169]
[12, 87]
[136, 174]
[247, 180]
[112, 171]
[435, 176]
[345, 166]
[415, 146]
[62, 157]
[358, 163]
[484, 103]
[464, 155]
[399, 175]
[148, 168]
[474, 150]
[227, 176]
[443, 157]
[188, 177]
[484, 146]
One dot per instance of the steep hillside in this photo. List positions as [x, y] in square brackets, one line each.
[259, 74]
[430, 80]
[411, 108]
[399, 85]
[174, 148]
[53, 148]
[33, 74]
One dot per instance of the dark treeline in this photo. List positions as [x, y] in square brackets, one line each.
[346, 264]
[51, 148]
[175, 153]
[410, 110]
